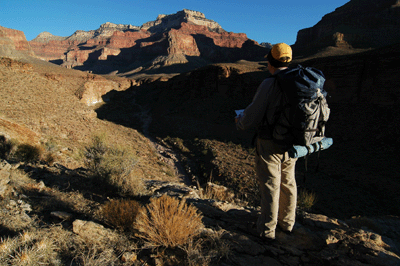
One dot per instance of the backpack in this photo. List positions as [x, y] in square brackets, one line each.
[303, 111]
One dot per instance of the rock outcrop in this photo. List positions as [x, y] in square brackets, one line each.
[184, 40]
[170, 21]
[13, 40]
[357, 24]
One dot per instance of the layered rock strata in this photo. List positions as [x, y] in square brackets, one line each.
[12, 40]
[186, 38]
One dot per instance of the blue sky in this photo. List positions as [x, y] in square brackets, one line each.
[263, 21]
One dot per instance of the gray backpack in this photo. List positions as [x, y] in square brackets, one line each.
[303, 112]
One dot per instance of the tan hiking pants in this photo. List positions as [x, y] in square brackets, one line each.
[276, 176]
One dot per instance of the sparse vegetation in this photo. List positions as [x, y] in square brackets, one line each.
[7, 147]
[212, 246]
[217, 192]
[49, 156]
[120, 214]
[306, 200]
[168, 222]
[25, 152]
[113, 165]
[28, 153]
[29, 248]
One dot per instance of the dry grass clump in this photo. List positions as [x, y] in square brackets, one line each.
[212, 246]
[13, 221]
[29, 248]
[216, 192]
[28, 153]
[12, 150]
[7, 147]
[25, 152]
[95, 257]
[113, 165]
[168, 222]
[306, 200]
[120, 214]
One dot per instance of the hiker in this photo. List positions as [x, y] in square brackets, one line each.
[275, 169]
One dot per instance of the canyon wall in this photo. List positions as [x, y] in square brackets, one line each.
[357, 24]
[186, 39]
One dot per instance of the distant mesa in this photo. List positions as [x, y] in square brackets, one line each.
[171, 43]
[187, 40]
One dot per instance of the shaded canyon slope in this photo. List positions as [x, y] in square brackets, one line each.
[359, 24]
[170, 44]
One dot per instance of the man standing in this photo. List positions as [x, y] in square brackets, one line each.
[275, 169]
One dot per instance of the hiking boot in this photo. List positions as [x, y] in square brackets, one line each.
[280, 229]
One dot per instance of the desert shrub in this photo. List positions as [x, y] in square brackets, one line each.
[95, 257]
[217, 192]
[49, 156]
[28, 153]
[29, 248]
[7, 147]
[168, 222]
[120, 213]
[113, 165]
[306, 200]
[209, 249]
[95, 151]
[25, 152]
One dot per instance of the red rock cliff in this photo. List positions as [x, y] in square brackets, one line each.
[113, 47]
[15, 39]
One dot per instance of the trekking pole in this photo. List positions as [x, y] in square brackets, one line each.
[305, 172]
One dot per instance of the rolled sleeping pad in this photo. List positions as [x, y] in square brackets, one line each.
[300, 151]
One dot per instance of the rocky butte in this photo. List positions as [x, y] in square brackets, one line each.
[181, 41]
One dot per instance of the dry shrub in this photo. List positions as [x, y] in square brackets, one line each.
[217, 192]
[113, 165]
[211, 246]
[12, 221]
[28, 153]
[168, 222]
[49, 158]
[29, 248]
[25, 152]
[97, 257]
[306, 200]
[120, 213]
[7, 147]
